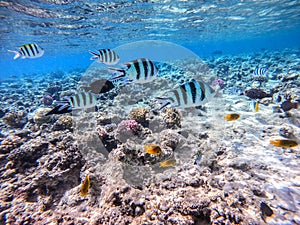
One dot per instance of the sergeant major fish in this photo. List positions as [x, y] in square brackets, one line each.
[260, 72]
[30, 51]
[106, 56]
[190, 94]
[138, 71]
[83, 100]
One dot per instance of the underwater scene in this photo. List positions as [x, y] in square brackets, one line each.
[150, 112]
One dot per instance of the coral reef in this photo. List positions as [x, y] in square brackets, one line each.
[139, 115]
[47, 100]
[15, 119]
[172, 118]
[64, 122]
[54, 89]
[9, 143]
[44, 162]
[39, 116]
[126, 129]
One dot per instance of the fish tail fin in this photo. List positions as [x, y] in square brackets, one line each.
[164, 101]
[272, 142]
[18, 54]
[60, 109]
[296, 105]
[94, 55]
[118, 73]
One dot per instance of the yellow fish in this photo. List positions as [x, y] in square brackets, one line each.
[168, 163]
[153, 149]
[85, 186]
[285, 143]
[256, 107]
[232, 117]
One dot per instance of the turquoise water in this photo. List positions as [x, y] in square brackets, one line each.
[68, 29]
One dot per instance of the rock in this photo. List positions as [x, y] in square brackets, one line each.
[40, 116]
[15, 119]
[65, 122]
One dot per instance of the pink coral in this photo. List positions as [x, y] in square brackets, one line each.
[47, 100]
[219, 82]
[128, 126]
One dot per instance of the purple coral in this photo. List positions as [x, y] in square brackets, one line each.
[47, 100]
[128, 126]
[219, 82]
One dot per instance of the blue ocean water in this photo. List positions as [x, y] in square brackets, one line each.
[67, 29]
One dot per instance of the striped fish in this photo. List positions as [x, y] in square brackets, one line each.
[260, 72]
[190, 94]
[106, 56]
[83, 100]
[137, 71]
[30, 51]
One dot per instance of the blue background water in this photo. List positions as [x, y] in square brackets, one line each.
[66, 43]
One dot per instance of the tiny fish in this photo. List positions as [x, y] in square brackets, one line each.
[285, 143]
[260, 72]
[85, 186]
[254, 105]
[190, 94]
[138, 71]
[287, 105]
[198, 158]
[29, 51]
[83, 100]
[168, 163]
[232, 117]
[255, 93]
[106, 56]
[265, 211]
[153, 149]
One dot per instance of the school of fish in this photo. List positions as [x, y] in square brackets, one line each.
[140, 71]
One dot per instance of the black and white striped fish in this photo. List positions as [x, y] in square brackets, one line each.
[106, 56]
[137, 71]
[83, 100]
[260, 72]
[190, 94]
[29, 51]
